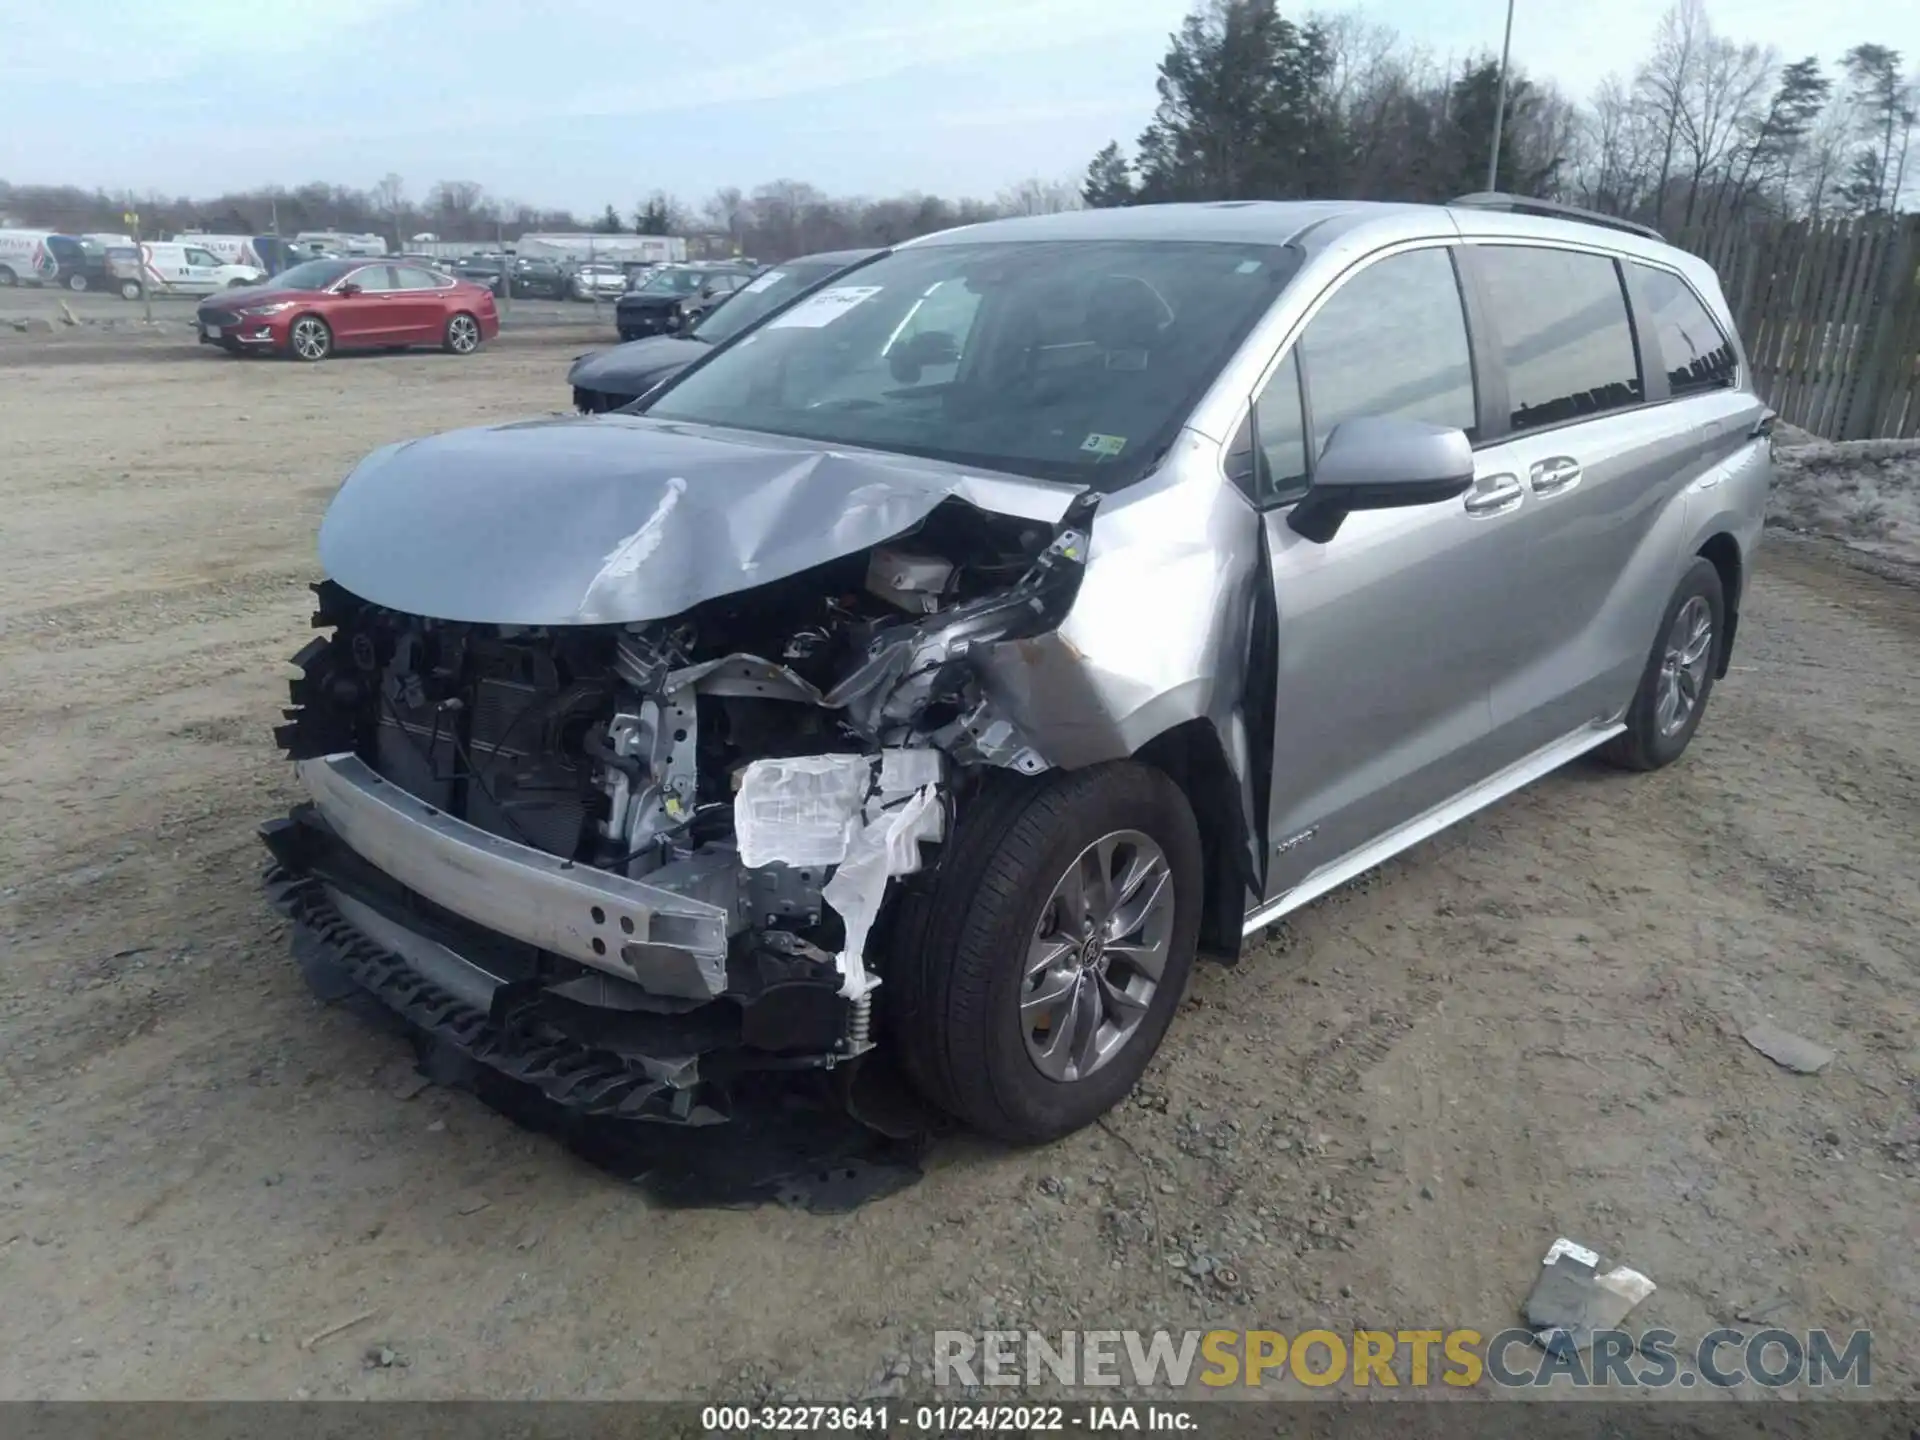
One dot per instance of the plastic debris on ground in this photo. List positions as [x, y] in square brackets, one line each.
[1788, 1050]
[1571, 1298]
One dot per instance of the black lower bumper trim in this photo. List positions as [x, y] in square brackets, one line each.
[577, 1077]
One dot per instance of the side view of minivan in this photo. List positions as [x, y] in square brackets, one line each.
[939, 664]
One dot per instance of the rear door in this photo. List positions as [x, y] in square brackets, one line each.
[1387, 637]
[1591, 568]
[418, 306]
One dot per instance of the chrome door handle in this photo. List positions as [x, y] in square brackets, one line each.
[1494, 495]
[1549, 477]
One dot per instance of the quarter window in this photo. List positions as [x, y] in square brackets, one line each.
[1697, 353]
[1392, 341]
[1560, 318]
[1280, 471]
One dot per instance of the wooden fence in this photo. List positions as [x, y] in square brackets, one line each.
[1830, 314]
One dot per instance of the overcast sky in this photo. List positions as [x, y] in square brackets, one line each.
[581, 102]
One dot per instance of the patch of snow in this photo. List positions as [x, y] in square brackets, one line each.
[1863, 493]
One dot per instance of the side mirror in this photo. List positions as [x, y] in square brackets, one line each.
[1382, 462]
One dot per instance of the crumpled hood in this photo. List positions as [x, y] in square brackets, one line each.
[628, 369]
[616, 519]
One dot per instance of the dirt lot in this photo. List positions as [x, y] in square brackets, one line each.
[1529, 1027]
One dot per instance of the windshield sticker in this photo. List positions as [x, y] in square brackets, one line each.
[824, 308]
[772, 277]
[1246, 267]
[1105, 446]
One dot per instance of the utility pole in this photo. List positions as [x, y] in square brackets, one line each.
[131, 219]
[1500, 104]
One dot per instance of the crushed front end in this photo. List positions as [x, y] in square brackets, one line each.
[627, 863]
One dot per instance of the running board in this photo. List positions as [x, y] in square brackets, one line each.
[1497, 786]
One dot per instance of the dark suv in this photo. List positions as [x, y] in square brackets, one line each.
[675, 297]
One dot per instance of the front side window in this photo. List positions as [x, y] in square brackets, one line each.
[314, 274]
[1560, 318]
[672, 282]
[1696, 352]
[201, 257]
[373, 278]
[1391, 341]
[1072, 360]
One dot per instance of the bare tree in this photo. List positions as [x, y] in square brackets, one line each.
[1035, 196]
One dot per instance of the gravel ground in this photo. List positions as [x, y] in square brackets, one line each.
[1528, 1027]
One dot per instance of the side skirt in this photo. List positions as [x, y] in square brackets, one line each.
[1496, 786]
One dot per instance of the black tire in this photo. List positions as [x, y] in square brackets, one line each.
[951, 1001]
[322, 339]
[7, 278]
[129, 289]
[77, 284]
[462, 335]
[238, 284]
[1645, 745]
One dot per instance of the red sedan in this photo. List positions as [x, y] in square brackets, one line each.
[322, 306]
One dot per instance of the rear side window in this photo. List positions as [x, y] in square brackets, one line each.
[1391, 341]
[1560, 319]
[1696, 351]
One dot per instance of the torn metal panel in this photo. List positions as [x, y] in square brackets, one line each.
[619, 519]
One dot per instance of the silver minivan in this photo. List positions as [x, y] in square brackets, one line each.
[926, 674]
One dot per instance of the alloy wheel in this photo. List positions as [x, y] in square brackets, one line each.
[463, 335]
[1097, 956]
[1683, 667]
[310, 339]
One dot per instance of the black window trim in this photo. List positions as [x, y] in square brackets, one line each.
[1500, 428]
[1485, 377]
[1656, 355]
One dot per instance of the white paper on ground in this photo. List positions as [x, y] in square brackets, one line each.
[887, 846]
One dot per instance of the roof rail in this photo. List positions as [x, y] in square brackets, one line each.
[1554, 210]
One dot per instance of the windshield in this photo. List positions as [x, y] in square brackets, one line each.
[315, 274]
[761, 296]
[673, 282]
[1071, 360]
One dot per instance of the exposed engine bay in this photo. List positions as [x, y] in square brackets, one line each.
[763, 767]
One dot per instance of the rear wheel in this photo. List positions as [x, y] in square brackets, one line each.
[129, 289]
[1672, 698]
[7, 277]
[310, 339]
[1033, 978]
[77, 284]
[463, 334]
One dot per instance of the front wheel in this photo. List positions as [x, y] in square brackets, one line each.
[463, 334]
[1034, 975]
[77, 284]
[1672, 698]
[310, 339]
[7, 277]
[129, 289]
